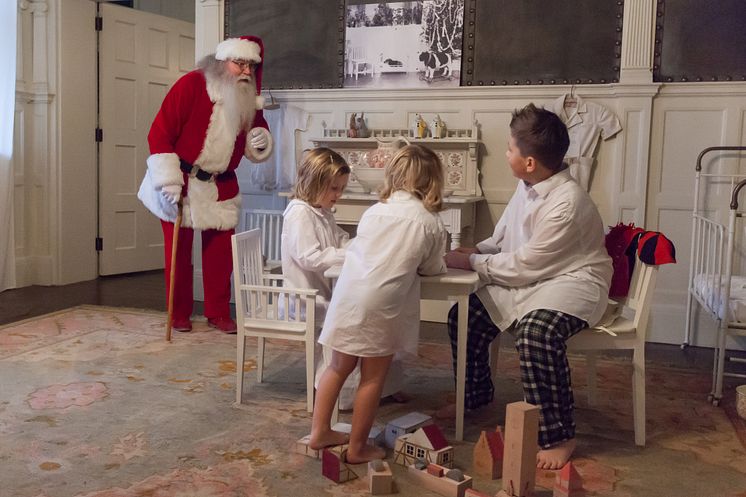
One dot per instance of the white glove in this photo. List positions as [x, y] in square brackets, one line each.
[258, 139]
[172, 193]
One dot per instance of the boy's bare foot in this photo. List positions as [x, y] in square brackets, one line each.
[327, 438]
[367, 453]
[555, 457]
[401, 397]
[446, 412]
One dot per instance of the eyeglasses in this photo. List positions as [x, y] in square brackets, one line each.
[243, 65]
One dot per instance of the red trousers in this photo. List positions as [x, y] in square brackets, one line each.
[217, 266]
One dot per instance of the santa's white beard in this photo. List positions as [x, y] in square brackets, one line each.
[239, 100]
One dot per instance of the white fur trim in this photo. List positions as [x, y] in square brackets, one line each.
[259, 102]
[237, 48]
[220, 139]
[202, 210]
[255, 155]
[154, 200]
[164, 170]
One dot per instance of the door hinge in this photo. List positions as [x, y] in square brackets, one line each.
[99, 244]
[99, 23]
[99, 135]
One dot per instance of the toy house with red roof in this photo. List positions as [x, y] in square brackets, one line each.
[488, 455]
[426, 443]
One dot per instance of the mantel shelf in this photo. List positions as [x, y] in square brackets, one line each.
[458, 151]
[377, 139]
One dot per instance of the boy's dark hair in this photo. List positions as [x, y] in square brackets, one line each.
[541, 134]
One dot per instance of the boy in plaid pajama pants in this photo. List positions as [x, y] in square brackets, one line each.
[546, 276]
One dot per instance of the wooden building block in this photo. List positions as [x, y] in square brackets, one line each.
[381, 480]
[375, 436]
[441, 485]
[333, 465]
[435, 470]
[521, 435]
[301, 447]
[404, 424]
[470, 492]
[567, 481]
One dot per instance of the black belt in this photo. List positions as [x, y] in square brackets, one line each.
[200, 174]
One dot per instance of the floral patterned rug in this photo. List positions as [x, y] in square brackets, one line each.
[95, 403]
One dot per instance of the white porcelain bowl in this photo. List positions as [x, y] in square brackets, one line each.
[370, 178]
[741, 401]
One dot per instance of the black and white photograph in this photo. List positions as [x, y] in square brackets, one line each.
[404, 44]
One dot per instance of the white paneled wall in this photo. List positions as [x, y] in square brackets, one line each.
[619, 179]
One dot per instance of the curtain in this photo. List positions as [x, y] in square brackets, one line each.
[8, 40]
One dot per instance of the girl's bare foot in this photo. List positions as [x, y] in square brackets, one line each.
[327, 438]
[365, 454]
[555, 457]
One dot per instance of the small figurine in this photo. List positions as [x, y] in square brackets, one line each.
[438, 128]
[352, 131]
[420, 127]
[362, 129]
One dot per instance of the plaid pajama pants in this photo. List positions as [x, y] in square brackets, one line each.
[540, 339]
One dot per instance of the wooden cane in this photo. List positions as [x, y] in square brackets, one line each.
[172, 275]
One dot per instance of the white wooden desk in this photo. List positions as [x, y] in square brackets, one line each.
[456, 285]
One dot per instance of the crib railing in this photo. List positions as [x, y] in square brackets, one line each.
[706, 269]
[711, 266]
[709, 244]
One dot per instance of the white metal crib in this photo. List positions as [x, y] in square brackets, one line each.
[713, 247]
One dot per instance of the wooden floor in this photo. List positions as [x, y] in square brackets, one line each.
[146, 290]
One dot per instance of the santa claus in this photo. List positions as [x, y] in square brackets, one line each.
[209, 120]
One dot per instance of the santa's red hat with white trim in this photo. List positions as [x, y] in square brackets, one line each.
[248, 48]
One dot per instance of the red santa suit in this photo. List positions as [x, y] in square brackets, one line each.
[193, 143]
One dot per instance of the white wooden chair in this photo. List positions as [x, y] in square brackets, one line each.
[261, 305]
[627, 331]
[270, 223]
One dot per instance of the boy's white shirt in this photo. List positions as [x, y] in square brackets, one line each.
[547, 252]
[375, 309]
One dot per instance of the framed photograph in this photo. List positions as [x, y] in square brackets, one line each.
[414, 44]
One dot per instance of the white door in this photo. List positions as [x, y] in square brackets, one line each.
[140, 56]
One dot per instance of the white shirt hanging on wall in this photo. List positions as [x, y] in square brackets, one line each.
[278, 172]
[586, 122]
